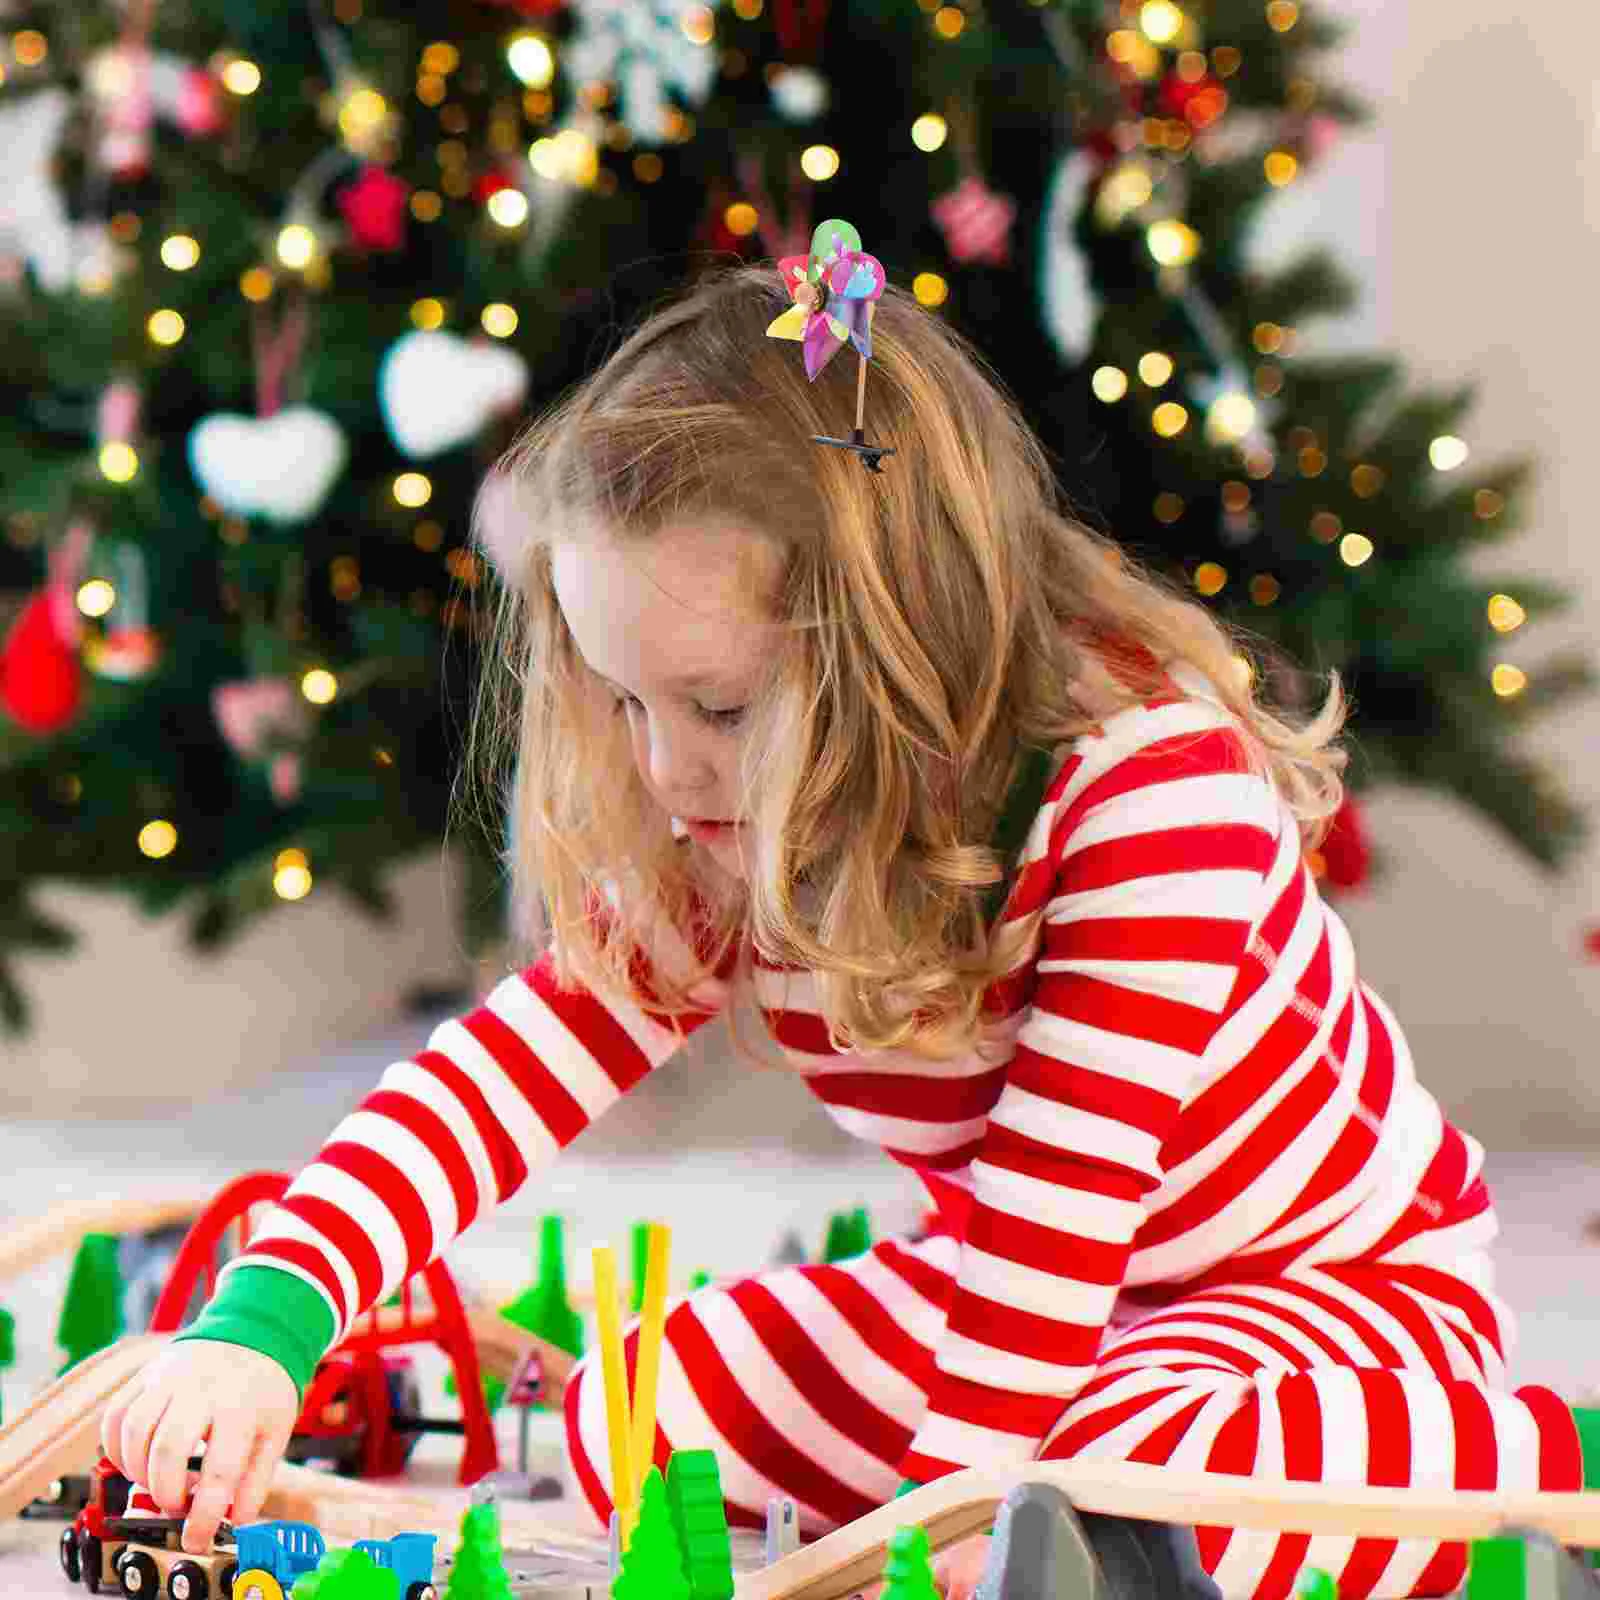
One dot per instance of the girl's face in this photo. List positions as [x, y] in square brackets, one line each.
[671, 626]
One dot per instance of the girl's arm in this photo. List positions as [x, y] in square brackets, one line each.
[1160, 865]
[443, 1138]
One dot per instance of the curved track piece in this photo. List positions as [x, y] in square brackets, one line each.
[963, 1503]
[59, 1431]
[26, 1244]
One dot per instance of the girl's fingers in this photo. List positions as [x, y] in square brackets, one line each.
[251, 1495]
[139, 1423]
[182, 1427]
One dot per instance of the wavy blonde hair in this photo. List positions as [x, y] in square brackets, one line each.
[938, 617]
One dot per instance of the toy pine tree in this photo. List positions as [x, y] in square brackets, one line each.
[861, 1230]
[849, 1234]
[641, 1257]
[479, 1569]
[652, 1565]
[699, 1280]
[907, 1573]
[694, 1496]
[91, 1314]
[8, 1347]
[347, 1575]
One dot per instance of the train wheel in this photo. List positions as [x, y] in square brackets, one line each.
[139, 1576]
[89, 1559]
[225, 1579]
[422, 1591]
[69, 1554]
[186, 1581]
[256, 1583]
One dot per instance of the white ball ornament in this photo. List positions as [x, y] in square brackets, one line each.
[438, 390]
[279, 467]
[800, 94]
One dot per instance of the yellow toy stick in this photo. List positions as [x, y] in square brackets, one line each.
[614, 1370]
[653, 1314]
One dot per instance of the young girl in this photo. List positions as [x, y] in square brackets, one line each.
[766, 711]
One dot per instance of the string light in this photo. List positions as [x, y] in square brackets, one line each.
[364, 118]
[118, 460]
[412, 489]
[1210, 578]
[698, 25]
[741, 219]
[241, 77]
[158, 839]
[297, 246]
[96, 597]
[165, 327]
[819, 162]
[1231, 417]
[499, 320]
[1172, 243]
[1507, 680]
[1447, 452]
[179, 252]
[1160, 21]
[531, 60]
[427, 313]
[930, 289]
[29, 47]
[319, 686]
[255, 283]
[929, 131]
[1280, 168]
[948, 22]
[1155, 368]
[291, 875]
[1505, 615]
[1109, 384]
[1169, 419]
[1355, 549]
[508, 207]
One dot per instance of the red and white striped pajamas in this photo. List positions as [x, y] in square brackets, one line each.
[1195, 1207]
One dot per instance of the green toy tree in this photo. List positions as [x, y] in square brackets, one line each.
[8, 1349]
[346, 1575]
[479, 1569]
[91, 1313]
[907, 1571]
[694, 1496]
[849, 1234]
[652, 1565]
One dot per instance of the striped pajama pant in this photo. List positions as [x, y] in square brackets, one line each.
[809, 1381]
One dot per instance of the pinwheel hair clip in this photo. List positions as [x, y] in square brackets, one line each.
[835, 289]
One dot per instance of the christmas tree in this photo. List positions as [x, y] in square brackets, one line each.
[907, 1570]
[652, 1565]
[278, 277]
[479, 1569]
[91, 1312]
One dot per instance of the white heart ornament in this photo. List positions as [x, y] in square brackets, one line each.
[438, 390]
[279, 467]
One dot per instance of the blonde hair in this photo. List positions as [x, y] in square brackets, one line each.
[940, 616]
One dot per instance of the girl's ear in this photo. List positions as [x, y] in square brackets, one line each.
[496, 527]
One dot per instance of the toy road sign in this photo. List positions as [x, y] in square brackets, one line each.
[526, 1383]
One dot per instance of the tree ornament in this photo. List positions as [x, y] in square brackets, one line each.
[976, 222]
[438, 390]
[800, 94]
[265, 721]
[279, 467]
[41, 673]
[33, 216]
[1068, 303]
[129, 86]
[536, 9]
[123, 646]
[645, 48]
[375, 208]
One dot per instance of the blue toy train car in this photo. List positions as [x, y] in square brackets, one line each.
[273, 1555]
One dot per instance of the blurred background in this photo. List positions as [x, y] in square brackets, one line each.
[1298, 295]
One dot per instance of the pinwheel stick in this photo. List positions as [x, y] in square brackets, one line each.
[871, 454]
[861, 390]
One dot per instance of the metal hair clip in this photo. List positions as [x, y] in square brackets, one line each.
[835, 289]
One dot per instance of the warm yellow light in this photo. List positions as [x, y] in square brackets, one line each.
[929, 131]
[1169, 419]
[1231, 417]
[96, 597]
[426, 205]
[1507, 680]
[158, 839]
[165, 327]
[30, 47]
[1282, 15]
[1127, 187]
[747, 10]
[255, 283]
[241, 77]
[412, 489]
[948, 22]
[291, 875]
[819, 162]
[179, 252]
[319, 686]
[566, 157]
[1355, 549]
[1505, 615]
[118, 460]
[741, 218]
[930, 289]
[1160, 21]
[508, 207]
[362, 113]
[1280, 167]
[531, 60]
[441, 56]
[1209, 578]
[1109, 384]
[427, 313]
[1447, 452]
[699, 27]
[1265, 589]
[499, 320]
[1172, 243]
[1155, 367]
[297, 244]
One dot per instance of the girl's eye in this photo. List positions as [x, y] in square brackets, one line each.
[730, 718]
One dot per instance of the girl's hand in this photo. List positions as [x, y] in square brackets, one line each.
[956, 1569]
[240, 1402]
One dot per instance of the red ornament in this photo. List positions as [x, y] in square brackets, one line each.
[1591, 941]
[41, 678]
[531, 8]
[199, 104]
[374, 208]
[1346, 854]
[976, 222]
[490, 183]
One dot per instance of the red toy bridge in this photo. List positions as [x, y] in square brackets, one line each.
[442, 1321]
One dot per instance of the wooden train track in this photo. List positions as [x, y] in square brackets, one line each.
[25, 1244]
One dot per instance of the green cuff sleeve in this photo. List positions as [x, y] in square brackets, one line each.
[274, 1312]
